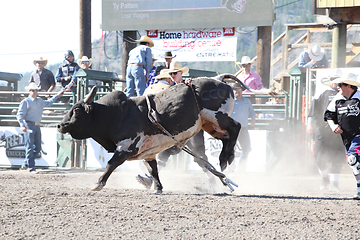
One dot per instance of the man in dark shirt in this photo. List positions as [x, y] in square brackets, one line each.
[329, 150]
[43, 78]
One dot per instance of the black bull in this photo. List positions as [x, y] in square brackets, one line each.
[121, 125]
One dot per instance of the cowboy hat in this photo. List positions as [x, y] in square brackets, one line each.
[32, 85]
[145, 39]
[350, 79]
[163, 74]
[40, 60]
[176, 67]
[245, 60]
[169, 55]
[316, 52]
[327, 80]
[84, 59]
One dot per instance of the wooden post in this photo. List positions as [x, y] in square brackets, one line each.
[264, 54]
[85, 28]
[338, 56]
[128, 43]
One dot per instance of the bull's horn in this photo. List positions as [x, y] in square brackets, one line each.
[233, 79]
[90, 97]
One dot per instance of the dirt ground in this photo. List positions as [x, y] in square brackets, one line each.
[58, 204]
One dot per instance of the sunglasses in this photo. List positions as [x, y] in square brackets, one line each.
[40, 62]
[86, 63]
[174, 73]
[34, 90]
[342, 84]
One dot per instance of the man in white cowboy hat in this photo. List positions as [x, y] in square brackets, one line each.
[66, 72]
[176, 72]
[29, 117]
[329, 150]
[343, 117]
[140, 59]
[314, 57]
[248, 77]
[43, 78]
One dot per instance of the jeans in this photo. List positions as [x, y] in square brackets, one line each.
[354, 146]
[32, 146]
[135, 78]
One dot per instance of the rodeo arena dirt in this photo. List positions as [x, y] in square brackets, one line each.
[281, 204]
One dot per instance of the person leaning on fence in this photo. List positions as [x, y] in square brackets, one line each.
[343, 117]
[42, 77]
[66, 72]
[329, 151]
[242, 111]
[313, 57]
[140, 59]
[29, 117]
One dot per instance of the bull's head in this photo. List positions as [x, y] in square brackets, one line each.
[77, 121]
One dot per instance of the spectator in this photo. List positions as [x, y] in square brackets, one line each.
[140, 59]
[314, 57]
[168, 59]
[85, 63]
[343, 117]
[329, 152]
[176, 72]
[249, 78]
[66, 72]
[29, 117]
[42, 77]
[242, 111]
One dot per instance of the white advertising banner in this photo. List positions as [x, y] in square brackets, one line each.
[12, 147]
[195, 45]
[97, 157]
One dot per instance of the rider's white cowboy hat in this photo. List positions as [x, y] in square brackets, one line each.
[84, 59]
[145, 39]
[176, 67]
[350, 79]
[40, 60]
[31, 86]
[316, 52]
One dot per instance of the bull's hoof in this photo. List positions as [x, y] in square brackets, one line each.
[158, 192]
[223, 165]
[98, 187]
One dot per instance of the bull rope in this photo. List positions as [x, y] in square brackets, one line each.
[153, 117]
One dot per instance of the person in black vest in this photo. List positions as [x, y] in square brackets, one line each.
[66, 72]
[343, 117]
